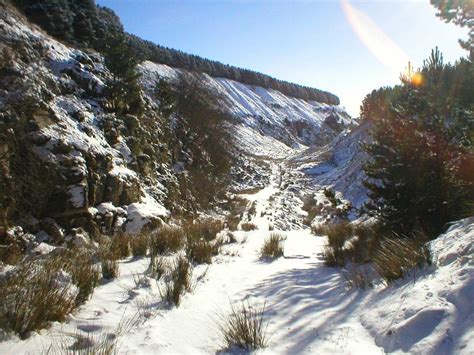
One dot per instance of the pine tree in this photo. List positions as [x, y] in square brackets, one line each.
[417, 167]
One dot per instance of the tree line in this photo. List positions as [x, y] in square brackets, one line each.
[85, 24]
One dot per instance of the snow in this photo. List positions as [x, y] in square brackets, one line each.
[262, 116]
[435, 313]
[308, 307]
[140, 213]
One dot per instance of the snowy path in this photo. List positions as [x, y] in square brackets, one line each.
[307, 308]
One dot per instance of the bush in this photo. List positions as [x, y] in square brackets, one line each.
[237, 207]
[33, 295]
[178, 282]
[273, 246]
[166, 240]
[85, 275]
[139, 244]
[245, 327]
[396, 256]
[110, 269]
[248, 226]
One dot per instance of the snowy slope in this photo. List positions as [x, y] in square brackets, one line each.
[268, 122]
[337, 165]
[434, 313]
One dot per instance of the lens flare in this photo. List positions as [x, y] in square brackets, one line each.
[374, 38]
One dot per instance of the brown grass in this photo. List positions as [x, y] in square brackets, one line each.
[396, 256]
[273, 246]
[139, 244]
[248, 226]
[110, 269]
[119, 246]
[32, 297]
[237, 207]
[166, 240]
[179, 281]
[245, 327]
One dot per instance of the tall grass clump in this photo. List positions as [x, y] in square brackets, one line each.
[178, 282]
[396, 256]
[119, 246]
[166, 240]
[139, 244]
[337, 234]
[248, 226]
[33, 295]
[273, 246]
[245, 327]
[201, 242]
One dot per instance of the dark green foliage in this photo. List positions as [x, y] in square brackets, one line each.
[123, 90]
[460, 12]
[200, 139]
[422, 162]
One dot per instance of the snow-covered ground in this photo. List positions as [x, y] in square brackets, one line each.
[308, 307]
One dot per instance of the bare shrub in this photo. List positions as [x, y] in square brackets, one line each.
[273, 246]
[166, 240]
[178, 282]
[248, 226]
[139, 244]
[396, 256]
[245, 327]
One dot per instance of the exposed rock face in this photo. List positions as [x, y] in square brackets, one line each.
[62, 154]
[72, 169]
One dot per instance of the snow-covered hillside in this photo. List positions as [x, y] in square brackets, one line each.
[268, 123]
[338, 165]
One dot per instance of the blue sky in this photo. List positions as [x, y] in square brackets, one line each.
[308, 42]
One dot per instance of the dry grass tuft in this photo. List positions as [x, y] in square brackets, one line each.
[248, 226]
[33, 295]
[396, 256]
[245, 327]
[139, 244]
[119, 247]
[166, 240]
[178, 282]
[110, 269]
[273, 246]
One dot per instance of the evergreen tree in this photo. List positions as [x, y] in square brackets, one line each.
[123, 90]
[418, 166]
